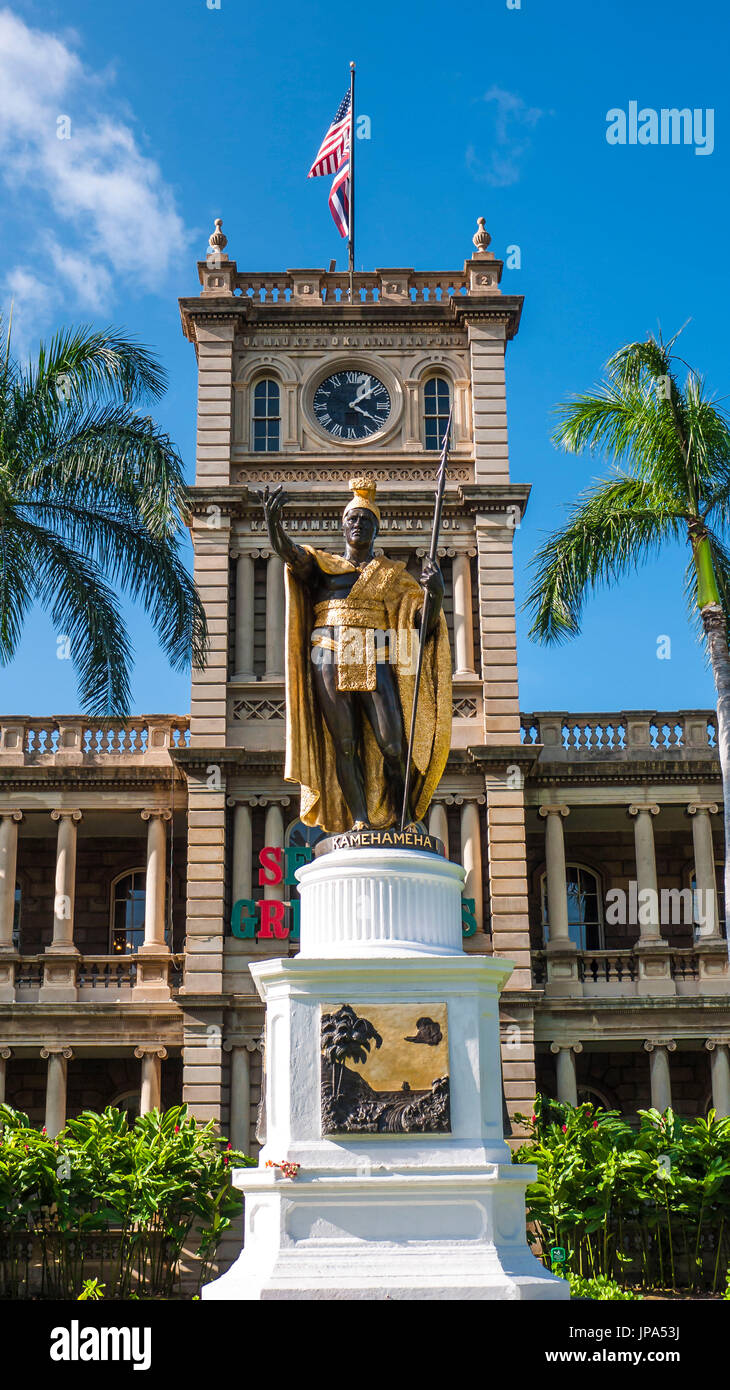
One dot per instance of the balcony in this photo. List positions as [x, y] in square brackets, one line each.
[680, 972]
[625, 736]
[107, 979]
[64, 740]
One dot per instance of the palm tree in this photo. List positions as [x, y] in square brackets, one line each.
[669, 443]
[346, 1037]
[92, 499]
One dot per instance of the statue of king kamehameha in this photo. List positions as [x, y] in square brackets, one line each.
[352, 635]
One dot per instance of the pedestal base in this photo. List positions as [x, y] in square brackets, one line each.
[404, 1186]
[393, 1236]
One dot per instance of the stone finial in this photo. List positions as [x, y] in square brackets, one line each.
[218, 240]
[481, 237]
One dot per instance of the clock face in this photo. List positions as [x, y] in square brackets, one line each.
[351, 405]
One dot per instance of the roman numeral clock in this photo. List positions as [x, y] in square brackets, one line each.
[351, 405]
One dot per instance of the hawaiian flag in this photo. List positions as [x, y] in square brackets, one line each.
[333, 157]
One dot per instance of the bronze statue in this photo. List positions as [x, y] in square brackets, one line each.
[353, 625]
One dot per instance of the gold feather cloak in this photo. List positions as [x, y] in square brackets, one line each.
[310, 754]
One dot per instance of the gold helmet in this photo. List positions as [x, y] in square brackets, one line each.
[363, 490]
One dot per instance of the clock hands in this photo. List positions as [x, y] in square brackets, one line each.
[362, 393]
[367, 413]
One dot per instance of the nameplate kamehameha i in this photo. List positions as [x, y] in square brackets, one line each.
[414, 838]
[356, 664]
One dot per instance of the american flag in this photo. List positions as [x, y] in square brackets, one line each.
[333, 157]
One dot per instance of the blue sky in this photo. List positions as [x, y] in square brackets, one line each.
[181, 113]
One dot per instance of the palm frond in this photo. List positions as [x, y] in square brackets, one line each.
[613, 529]
[135, 561]
[84, 608]
[98, 364]
[17, 589]
[108, 455]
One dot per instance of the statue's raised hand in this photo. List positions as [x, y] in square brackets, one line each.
[273, 503]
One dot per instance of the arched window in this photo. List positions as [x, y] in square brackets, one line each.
[127, 912]
[128, 1101]
[266, 421]
[436, 406]
[585, 915]
[298, 835]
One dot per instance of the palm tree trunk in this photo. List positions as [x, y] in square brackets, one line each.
[715, 626]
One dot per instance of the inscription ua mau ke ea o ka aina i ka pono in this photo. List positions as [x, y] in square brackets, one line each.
[268, 919]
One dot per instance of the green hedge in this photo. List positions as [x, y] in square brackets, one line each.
[648, 1206]
[113, 1200]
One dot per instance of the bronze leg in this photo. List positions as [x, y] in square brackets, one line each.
[339, 714]
[383, 710]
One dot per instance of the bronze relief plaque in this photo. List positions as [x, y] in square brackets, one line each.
[385, 1069]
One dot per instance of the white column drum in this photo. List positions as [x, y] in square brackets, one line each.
[380, 902]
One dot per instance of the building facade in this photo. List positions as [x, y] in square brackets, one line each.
[142, 868]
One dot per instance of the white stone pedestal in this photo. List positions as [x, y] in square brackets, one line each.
[391, 1215]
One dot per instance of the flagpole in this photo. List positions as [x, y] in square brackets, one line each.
[351, 236]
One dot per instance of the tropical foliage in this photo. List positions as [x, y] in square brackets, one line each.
[92, 504]
[111, 1205]
[668, 443]
[648, 1206]
[346, 1037]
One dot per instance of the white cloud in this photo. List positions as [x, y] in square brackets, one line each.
[509, 143]
[107, 217]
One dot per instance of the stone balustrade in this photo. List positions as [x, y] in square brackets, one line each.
[369, 287]
[626, 735]
[96, 978]
[53, 741]
[618, 973]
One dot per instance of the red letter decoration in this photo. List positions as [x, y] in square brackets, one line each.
[271, 861]
[272, 916]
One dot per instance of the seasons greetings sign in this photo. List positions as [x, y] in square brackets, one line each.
[277, 918]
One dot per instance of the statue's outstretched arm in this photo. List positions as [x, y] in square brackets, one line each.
[294, 556]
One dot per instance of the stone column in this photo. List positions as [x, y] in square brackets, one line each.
[65, 895]
[471, 856]
[557, 893]
[719, 1050]
[151, 1086]
[653, 956]
[438, 824]
[273, 835]
[463, 620]
[153, 956]
[661, 1085]
[61, 957]
[709, 927]
[567, 1086]
[242, 851]
[58, 1058]
[646, 879]
[155, 879]
[239, 1130]
[563, 977]
[5, 1055]
[243, 664]
[274, 619]
[8, 865]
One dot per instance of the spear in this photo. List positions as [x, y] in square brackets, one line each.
[426, 614]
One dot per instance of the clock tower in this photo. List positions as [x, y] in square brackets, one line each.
[300, 385]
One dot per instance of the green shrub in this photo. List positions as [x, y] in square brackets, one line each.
[124, 1198]
[605, 1290]
[649, 1205]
